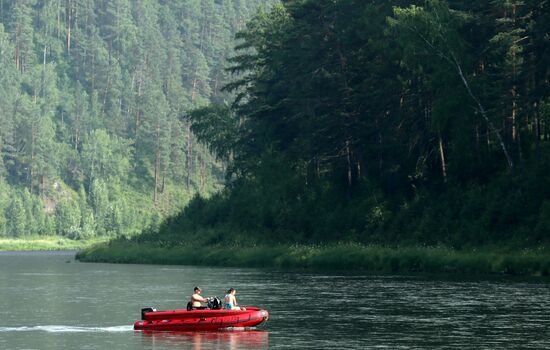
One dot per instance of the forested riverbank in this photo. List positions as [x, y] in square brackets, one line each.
[332, 257]
[367, 125]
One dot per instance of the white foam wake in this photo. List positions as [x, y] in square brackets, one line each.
[67, 329]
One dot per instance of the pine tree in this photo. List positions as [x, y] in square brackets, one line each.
[22, 29]
[9, 85]
[16, 214]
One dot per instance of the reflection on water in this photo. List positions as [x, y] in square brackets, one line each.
[229, 339]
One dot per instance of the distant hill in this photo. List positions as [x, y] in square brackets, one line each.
[93, 98]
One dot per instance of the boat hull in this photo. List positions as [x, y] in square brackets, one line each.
[182, 320]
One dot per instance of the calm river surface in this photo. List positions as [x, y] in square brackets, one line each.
[49, 301]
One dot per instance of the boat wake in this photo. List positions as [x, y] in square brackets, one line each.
[67, 329]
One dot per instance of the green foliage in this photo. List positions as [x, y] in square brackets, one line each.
[4, 203]
[92, 100]
[216, 126]
[16, 212]
[105, 157]
[397, 122]
[67, 218]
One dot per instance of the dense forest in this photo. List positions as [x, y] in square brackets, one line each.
[93, 93]
[392, 122]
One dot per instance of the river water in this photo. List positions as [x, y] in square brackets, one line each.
[50, 301]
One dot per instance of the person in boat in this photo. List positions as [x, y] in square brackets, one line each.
[197, 300]
[230, 302]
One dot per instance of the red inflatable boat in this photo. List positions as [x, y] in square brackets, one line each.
[207, 319]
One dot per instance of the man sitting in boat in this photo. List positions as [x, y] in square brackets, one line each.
[230, 302]
[197, 300]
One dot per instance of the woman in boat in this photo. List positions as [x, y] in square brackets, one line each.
[230, 302]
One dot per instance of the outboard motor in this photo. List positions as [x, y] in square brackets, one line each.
[214, 303]
[147, 309]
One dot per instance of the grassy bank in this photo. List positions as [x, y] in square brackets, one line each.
[45, 243]
[330, 257]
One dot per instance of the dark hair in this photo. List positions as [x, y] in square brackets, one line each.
[196, 289]
[230, 290]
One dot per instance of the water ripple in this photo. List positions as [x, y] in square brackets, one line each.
[67, 329]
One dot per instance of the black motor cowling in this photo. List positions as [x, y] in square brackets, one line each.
[147, 309]
[214, 303]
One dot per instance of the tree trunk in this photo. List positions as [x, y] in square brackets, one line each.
[58, 21]
[77, 131]
[16, 57]
[106, 93]
[537, 134]
[138, 112]
[490, 124]
[349, 168]
[216, 84]
[69, 15]
[514, 114]
[456, 65]
[193, 90]
[157, 165]
[478, 143]
[188, 158]
[380, 150]
[201, 174]
[93, 71]
[442, 156]
[31, 167]
[42, 185]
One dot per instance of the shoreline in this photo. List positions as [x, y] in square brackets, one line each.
[345, 256]
[45, 243]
